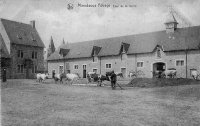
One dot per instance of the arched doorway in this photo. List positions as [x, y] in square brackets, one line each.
[158, 68]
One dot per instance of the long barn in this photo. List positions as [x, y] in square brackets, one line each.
[173, 47]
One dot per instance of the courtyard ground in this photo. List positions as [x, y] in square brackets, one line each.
[28, 103]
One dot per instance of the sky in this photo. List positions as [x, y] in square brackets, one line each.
[53, 18]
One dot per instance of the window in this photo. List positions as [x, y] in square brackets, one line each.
[108, 65]
[75, 66]
[34, 69]
[20, 68]
[20, 53]
[84, 67]
[61, 69]
[140, 64]
[179, 62]
[34, 55]
[95, 70]
[158, 53]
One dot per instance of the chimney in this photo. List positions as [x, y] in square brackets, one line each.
[32, 23]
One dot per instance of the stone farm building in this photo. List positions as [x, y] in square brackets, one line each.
[173, 47]
[21, 49]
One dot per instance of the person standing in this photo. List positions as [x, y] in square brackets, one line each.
[113, 78]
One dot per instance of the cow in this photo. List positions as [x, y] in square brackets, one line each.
[69, 76]
[41, 77]
[170, 72]
[195, 74]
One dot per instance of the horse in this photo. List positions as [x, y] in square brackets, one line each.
[69, 76]
[41, 77]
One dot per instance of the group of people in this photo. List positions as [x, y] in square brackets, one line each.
[100, 78]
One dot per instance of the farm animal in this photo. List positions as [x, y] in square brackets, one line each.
[170, 72]
[100, 78]
[90, 76]
[195, 74]
[41, 77]
[109, 77]
[158, 74]
[69, 76]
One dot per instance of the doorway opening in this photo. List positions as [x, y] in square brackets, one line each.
[158, 68]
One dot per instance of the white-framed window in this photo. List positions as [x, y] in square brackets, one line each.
[61, 69]
[108, 65]
[140, 64]
[84, 67]
[95, 70]
[20, 68]
[75, 67]
[179, 62]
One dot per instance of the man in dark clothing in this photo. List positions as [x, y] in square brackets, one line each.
[53, 74]
[113, 78]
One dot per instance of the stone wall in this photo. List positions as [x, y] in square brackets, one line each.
[130, 63]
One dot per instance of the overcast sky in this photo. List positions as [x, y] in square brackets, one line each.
[83, 23]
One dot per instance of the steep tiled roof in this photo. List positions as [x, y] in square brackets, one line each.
[55, 56]
[181, 39]
[20, 33]
[3, 49]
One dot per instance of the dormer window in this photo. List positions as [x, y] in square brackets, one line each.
[64, 52]
[158, 53]
[123, 51]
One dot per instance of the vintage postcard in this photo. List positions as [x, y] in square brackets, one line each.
[100, 62]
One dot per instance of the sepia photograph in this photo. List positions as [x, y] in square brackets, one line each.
[100, 62]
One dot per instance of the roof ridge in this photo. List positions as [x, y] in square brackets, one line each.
[15, 21]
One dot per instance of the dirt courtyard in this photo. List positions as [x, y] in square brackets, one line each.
[28, 103]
